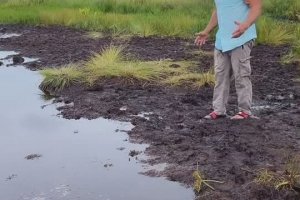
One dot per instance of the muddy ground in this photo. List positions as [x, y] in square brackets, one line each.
[230, 151]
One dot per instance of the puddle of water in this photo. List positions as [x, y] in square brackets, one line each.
[79, 158]
[9, 35]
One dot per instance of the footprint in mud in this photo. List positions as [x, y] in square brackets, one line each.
[33, 156]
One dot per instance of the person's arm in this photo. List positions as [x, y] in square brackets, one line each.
[203, 35]
[254, 13]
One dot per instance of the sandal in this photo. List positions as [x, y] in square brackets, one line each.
[241, 115]
[213, 115]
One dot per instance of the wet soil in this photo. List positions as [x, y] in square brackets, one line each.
[229, 151]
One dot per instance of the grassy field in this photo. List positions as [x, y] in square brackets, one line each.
[143, 17]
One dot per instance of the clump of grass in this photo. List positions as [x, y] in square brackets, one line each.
[94, 35]
[60, 78]
[200, 181]
[190, 79]
[289, 179]
[112, 63]
[273, 32]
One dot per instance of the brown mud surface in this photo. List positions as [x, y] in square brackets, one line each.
[229, 151]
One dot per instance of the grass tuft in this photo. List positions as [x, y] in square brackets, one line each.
[289, 179]
[200, 181]
[60, 78]
[112, 63]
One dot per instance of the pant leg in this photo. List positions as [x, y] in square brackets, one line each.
[223, 69]
[240, 60]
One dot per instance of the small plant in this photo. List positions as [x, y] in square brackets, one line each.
[200, 181]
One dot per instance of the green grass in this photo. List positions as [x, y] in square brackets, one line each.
[146, 17]
[140, 17]
[112, 63]
[274, 32]
[59, 78]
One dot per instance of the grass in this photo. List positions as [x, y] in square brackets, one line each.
[140, 17]
[59, 78]
[200, 181]
[112, 63]
[274, 32]
[288, 179]
[146, 17]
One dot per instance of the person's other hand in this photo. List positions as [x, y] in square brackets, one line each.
[240, 30]
[201, 38]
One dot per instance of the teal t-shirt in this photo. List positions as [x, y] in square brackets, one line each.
[229, 11]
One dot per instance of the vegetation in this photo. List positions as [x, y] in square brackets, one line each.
[147, 17]
[200, 181]
[289, 179]
[279, 25]
[60, 78]
[112, 63]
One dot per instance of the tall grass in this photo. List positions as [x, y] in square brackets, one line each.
[146, 17]
[274, 32]
[141, 17]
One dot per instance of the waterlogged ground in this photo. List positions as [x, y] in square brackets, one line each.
[171, 121]
[44, 156]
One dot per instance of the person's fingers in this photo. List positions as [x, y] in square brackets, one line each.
[236, 34]
[203, 42]
[196, 40]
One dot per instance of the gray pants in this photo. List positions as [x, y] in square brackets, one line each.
[237, 63]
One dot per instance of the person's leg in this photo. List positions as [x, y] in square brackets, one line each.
[223, 69]
[240, 59]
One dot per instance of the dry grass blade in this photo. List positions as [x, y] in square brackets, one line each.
[199, 181]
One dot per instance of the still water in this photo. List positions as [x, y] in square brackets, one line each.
[80, 159]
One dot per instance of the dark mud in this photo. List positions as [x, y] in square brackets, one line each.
[229, 151]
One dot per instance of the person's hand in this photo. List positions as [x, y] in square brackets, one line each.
[201, 38]
[240, 30]
[247, 2]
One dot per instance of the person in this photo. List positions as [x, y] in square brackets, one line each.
[234, 41]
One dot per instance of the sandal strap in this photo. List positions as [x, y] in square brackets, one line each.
[243, 114]
[213, 115]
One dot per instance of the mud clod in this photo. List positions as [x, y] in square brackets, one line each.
[33, 156]
[134, 153]
[18, 59]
